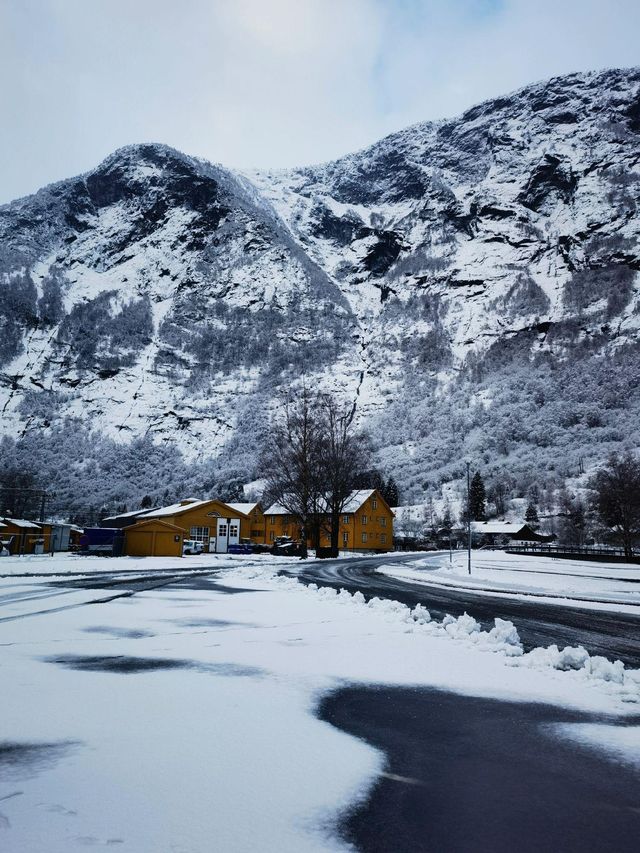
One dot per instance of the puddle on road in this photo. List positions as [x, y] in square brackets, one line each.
[117, 663]
[209, 586]
[25, 760]
[126, 665]
[124, 633]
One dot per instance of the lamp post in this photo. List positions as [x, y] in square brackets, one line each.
[468, 464]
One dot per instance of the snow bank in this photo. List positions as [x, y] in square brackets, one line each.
[579, 660]
[502, 638]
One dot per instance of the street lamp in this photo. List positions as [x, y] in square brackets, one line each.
[468, 464]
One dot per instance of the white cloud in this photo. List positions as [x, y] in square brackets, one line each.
[270, 82]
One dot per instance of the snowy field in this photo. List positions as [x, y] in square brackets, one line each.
[181, 718]
[607, 586]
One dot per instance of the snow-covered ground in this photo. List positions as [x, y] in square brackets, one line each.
[65, 563]
[606, 586]
[181, 718]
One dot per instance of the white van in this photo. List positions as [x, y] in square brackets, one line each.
[190, 546]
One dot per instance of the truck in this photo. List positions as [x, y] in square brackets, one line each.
[102, 541]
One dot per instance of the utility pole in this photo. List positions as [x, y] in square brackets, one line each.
[468, 463]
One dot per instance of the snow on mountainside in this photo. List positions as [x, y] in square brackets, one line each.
[471, 283]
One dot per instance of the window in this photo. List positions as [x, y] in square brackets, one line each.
[364, 519]
[222, 530]
[256, 533]
[272, 535]
[200, 534]
[272, 520]
[346, 519]
[374, 504]
[345, 538]
[383, 521]
[383, 537]
[364, 537]
[233, 531]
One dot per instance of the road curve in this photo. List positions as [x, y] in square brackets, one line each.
[614, 635]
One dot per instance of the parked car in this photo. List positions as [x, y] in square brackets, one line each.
[284, 546]
[243, 547]
[190, 546]
[248, 546]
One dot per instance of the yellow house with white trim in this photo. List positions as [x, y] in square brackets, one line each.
[366, 523]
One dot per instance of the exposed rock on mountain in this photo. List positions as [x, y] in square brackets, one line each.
[471, 283]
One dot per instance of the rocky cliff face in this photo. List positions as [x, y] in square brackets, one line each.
[451, 278]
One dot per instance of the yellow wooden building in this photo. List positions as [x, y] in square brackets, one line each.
[366, 523]
[21, 536]
[153, 538]
[215, 524]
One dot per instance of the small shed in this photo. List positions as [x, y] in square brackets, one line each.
[60, 534]
[497, 533]
[21, 536]
[153, 538]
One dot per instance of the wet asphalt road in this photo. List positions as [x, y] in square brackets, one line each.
[471, 775]
[614, 635]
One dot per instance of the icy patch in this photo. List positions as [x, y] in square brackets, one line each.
[618, 741]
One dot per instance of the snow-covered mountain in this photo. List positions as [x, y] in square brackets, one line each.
[472, 283]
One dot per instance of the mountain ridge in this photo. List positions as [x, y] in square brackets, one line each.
[160, 295]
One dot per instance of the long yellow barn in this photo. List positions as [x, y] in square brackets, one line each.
[216, 525]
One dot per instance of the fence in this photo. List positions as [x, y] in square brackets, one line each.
[600, 553]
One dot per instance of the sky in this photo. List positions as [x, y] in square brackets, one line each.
[271, 83]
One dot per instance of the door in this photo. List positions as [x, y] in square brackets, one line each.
[222, 534]
[234, 531]
[228, 533]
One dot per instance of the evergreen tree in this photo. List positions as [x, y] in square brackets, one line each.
[446, 522]
[390, 492]
[477, 498]
[531, 515]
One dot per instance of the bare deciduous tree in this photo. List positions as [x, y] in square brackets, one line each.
[291, 461]
[345, 454]
[311, 461]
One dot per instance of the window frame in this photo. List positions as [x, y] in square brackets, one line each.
[200, 533]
